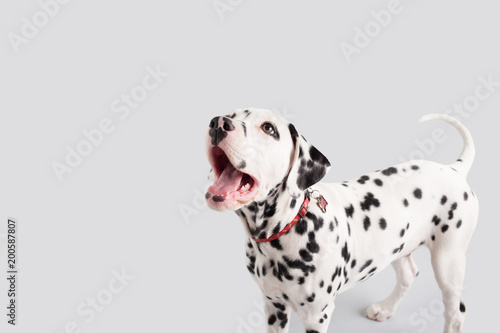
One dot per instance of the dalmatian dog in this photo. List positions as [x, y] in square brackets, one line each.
[309, 241]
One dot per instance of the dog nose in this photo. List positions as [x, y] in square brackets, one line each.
[227, 124]
[219, 126]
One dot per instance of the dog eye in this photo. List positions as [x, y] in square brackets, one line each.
[268, 128]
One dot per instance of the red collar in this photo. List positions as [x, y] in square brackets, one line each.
[301, 214]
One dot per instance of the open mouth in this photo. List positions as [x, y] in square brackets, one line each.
[230, 183]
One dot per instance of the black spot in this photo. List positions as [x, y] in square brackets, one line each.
[450, 213]
[312, 246]
[415, 167]
[462, 307]
[271, 320]
[321, 320]
[318, 222]
[305, 255]
[279, 306]
[466, 196]
[282, 271]
[433, 237]
[383, 224]
[301, 227]
[370, 200]
[283, 318]
[329, 289]
[312, 331]
[363, 179]
[208, 195]
[345, 253]
[366, 223]
[293, 203]
[353, 263]
[417, 193]
[335, 273]
[270, 210]
[390, 171]
[405, 202]
[301, 280]
[402, 233]
[285, 297]
[321, 284]
[311, 298]
[276, 228]
[408, 226]
[242, 165]
[331, 226]
[378, 182]
[349, 211]
[372, 270]
[244, 126]
[348, 229]
[345, 185]
[436, 220]
[398, 249]
[366, 264]
[276, 244]
[298, 264]
[459, 224]
[444, 228]
[444, 199]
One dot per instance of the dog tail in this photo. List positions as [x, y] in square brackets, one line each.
[464, 162]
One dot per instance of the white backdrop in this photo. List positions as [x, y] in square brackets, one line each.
[103, 111]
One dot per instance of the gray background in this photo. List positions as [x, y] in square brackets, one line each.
[121, 208]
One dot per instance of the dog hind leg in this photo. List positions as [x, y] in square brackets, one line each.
[449, 270]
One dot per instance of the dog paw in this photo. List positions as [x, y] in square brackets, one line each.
[378, 312]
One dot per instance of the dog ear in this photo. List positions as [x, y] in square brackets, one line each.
[307, 164]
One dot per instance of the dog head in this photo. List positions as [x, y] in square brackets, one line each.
[254, 151]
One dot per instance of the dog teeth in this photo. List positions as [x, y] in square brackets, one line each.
[245, 187]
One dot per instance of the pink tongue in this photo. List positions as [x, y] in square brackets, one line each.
[229, 181]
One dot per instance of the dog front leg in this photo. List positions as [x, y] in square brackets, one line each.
[278, 315]
[314, 319]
